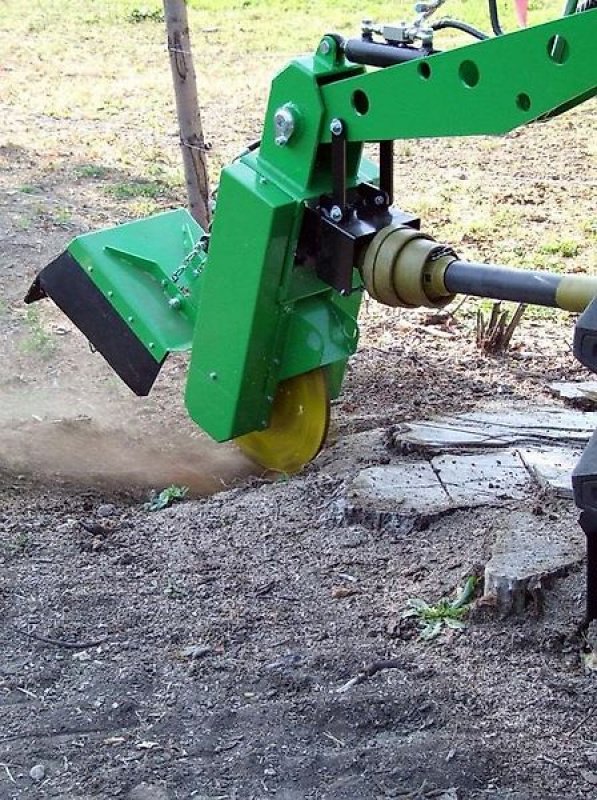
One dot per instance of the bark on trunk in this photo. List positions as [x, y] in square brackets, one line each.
[187, 108]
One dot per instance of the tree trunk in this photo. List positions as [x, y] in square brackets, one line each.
[187, 109]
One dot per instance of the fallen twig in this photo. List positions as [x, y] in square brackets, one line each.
[27, 692]
[8, 772]
[60, 642]
[586, 717]
[369, 671]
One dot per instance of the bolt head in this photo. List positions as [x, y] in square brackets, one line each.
[324, 47]
[335, 213]
[174, 303]
[284, 125]
[379, 200]
[336, 127]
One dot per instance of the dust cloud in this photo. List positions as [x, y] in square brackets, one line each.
[97, 438]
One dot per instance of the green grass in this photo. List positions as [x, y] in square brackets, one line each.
[37, 341]
[96, 171]
[135, 189]
[567, 248]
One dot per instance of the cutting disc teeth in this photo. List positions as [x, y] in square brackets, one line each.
[298, 425]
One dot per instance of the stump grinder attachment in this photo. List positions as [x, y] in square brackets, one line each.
[267, 300]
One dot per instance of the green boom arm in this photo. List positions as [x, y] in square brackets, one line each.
[490, 87]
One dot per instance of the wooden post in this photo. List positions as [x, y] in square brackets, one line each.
[187, 110]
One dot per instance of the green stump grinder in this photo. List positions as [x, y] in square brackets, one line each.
[267, 300]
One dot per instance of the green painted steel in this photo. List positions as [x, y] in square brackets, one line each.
[133, 264]
[489, 87]
[231, 378]
[259, 319]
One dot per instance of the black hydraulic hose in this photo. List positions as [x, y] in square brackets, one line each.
[495, 18]
[446, 22]
[375, 54]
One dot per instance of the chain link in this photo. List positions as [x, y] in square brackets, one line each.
[196, 248]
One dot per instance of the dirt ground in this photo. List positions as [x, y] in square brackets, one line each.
[197, 652]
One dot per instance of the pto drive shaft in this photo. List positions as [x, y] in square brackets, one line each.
[407, 268]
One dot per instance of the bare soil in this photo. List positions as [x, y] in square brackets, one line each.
[198, 651]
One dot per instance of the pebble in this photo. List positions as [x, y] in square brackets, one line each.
[38, 772]
[106, 510]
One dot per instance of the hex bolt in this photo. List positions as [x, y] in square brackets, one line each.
[324, 47]
[336, 127]
[284, 125]
[335, 213]
[174, 303]
[379, 200]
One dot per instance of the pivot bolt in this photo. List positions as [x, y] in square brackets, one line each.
[284, 125]
[324, 47]
[336, 213]
[336, 127]
[379, 200]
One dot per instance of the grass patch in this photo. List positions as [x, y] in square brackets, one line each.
[567, 248]
[95, 171]
[135, 189]
[38, 341]
[145, 14]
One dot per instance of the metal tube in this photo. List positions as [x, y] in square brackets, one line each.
[374, 54]
[501, 283]
[568, 292]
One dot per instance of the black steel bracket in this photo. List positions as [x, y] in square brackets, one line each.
[335, 247]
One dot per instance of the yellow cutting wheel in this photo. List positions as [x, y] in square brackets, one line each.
[298, 425]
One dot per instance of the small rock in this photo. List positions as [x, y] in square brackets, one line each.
[106, 510]
[287, 661]
[340, 592]
[37, 773]
[195, 651]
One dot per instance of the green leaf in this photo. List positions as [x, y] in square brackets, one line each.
[166, 497]
[465, 594]
[417, 604]
[456, 624]
[431, 630]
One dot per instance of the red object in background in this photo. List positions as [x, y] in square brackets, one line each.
[522, 7]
